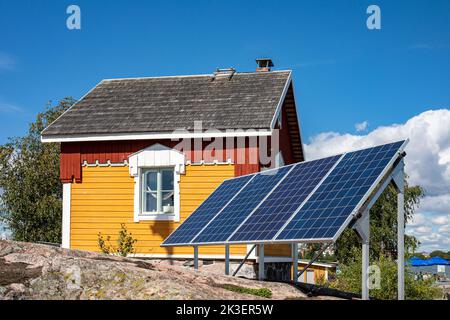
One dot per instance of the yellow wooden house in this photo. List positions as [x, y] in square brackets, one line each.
[147, 151]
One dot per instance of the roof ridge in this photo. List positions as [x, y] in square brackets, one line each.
[193, 75]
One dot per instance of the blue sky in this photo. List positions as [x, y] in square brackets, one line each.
[344, 73]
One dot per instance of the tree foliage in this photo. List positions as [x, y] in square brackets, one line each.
[29, 180]
[439, 253]
[349, 280]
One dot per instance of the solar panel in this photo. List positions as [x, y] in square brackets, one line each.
[207, 210]
[310, 201]
[225, 223]
[265, 222]
[326, 212]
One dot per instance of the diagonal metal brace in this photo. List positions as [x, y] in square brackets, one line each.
[324, 247]
[243, 261]
[362, 227]
[398, 177]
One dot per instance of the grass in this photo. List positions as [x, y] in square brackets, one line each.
[262, 292]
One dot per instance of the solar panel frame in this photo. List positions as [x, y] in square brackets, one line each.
[358, 206]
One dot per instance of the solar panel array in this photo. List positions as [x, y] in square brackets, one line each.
[307, 201]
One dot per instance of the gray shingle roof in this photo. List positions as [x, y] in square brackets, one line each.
[164, 104]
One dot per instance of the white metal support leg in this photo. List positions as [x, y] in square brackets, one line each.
[294, 247]
[227, 259]
[196, 257]
[362, 227]
[399, 181]
[365, 268]
[261, 262]
[401, 245]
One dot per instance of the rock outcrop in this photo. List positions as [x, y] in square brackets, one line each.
[33, 271]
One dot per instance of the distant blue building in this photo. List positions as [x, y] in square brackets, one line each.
[434, 266]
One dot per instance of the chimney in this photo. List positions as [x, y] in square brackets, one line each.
[264, 65]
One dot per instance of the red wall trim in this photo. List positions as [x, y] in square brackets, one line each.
[74, 154]
[70, 167]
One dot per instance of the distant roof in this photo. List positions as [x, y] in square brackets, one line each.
[416, 262]
[164, 104]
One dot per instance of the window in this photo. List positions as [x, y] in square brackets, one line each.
[156, 171]
[157, 191]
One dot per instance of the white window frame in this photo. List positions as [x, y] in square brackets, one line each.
[156, 157]
[159, 191]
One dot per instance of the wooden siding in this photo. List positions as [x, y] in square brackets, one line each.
[320, 272]
[104, 200]
[277, 250]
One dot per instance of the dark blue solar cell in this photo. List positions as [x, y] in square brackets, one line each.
[325, 212]
[207, 210]
[221, 228]
[272, 214]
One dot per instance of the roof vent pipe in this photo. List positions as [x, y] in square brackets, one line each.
[264, 64]
[226, 73]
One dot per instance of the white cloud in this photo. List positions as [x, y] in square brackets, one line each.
[437, 204]
[418, 220]
[6, 61]
[441, 220]
[427, 164]
[361, 126]
[423, 229]
[6, 107]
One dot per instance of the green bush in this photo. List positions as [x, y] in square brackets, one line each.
[125, 243]
[349, 280]
[262, 292]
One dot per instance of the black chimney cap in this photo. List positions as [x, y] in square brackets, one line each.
[264, 63]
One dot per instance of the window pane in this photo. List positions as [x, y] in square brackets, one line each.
[167, 202]
[167, 180]
[151, 181]
[150, 202]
